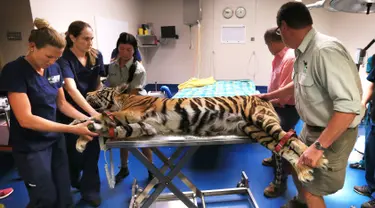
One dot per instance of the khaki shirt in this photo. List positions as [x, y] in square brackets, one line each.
[326, 80]
[118, 75]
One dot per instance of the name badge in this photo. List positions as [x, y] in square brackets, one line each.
[54, 79]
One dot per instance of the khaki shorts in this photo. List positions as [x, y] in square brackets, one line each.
[330, 181]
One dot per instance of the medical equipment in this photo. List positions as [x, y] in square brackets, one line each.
[361, 53]
[350, 6]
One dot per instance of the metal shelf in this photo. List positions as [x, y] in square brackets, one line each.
[149, 46]
[140, 36]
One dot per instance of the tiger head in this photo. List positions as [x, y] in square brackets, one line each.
[104, 98]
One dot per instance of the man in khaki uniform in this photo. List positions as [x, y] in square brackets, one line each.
[328, 91]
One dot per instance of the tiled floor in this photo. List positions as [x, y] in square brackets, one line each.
[212, 167]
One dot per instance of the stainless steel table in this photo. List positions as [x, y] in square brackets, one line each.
[186, 147]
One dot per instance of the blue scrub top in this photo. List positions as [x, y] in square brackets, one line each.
[20, 76]
[86, 77]
[369, 64]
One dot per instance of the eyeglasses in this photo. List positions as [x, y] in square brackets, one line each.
[278, 31]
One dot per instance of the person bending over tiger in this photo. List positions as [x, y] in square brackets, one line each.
[133, 116]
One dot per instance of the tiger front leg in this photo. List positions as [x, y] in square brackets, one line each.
[135, 130]
[259, 135]
[271, 125]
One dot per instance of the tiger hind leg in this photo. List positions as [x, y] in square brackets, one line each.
[259, 135]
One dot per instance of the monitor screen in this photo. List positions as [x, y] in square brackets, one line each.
[168, 32]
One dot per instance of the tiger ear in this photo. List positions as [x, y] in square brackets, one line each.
[122, 88]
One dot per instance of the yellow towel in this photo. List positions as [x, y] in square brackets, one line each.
[195, 82]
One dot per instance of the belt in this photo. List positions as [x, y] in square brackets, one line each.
[289, 106]
[315, 128]
[319, 128]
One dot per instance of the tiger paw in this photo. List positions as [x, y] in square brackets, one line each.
[149, 130]
[81, 144]
[322, 163]
[305, 173]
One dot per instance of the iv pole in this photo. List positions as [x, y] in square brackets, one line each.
[362, 53]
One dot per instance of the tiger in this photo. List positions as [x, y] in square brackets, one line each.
[132, 116]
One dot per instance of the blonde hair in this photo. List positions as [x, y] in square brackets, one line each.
[44, 35]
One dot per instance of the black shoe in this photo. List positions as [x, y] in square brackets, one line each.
[123, 173]
[357, 165]
[273, 190]
[268, 162]
[93, 202]
[364, 190]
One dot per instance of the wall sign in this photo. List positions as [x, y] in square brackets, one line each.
[14, 36]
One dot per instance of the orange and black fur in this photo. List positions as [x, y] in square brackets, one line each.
[247, 116]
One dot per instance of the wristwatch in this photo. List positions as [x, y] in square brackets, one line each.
[318, 146]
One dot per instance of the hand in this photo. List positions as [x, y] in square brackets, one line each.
[264, 96]
[310, 156]
[81, 129]
[364, 105]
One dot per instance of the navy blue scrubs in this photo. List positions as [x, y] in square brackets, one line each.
[40, 157]
[86, 78]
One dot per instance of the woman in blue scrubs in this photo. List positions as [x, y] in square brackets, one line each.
[34, 87]
[81, 66]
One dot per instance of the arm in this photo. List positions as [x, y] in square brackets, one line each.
[368, 86]
[22, 110]
[71, 87]
[285, 79]
[279, 93]
[337, 125]
[367, 93]
[66, 108]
